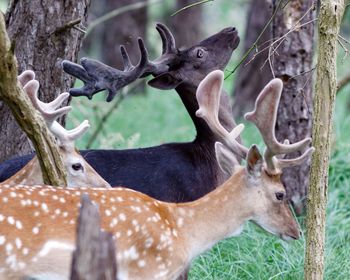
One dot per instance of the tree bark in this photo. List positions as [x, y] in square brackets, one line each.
[253, 76]
[13, 95]
[42, 40]
[122, 30]
[329, 21]
[94, 257]
[187, 25]
[292, 58]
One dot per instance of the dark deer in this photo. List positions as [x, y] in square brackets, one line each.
[167, 172]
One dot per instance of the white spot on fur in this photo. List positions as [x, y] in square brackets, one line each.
[11, 220]
[35, 230]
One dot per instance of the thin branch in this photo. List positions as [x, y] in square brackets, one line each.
[27, 117]
[343, 82]
[119, 11]
[190, 6]
[255, 42]
[67, 26]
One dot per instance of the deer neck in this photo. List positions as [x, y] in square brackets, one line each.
[187, 94]
[218, 215]
[30, 174]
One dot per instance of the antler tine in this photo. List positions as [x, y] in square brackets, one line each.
[208, 97]
[98, 76]
[25, 77]
[47, 110]
[126, 59]
[264, 118]
[68, 137]
[283, 163]
[167, 37]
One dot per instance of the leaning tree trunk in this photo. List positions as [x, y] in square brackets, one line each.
[329, 21]
[187, 25]
[43, 33]
[255, 73]
[291, 62]
[47, 150]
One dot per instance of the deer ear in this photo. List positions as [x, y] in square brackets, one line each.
[254, 162]
[226, 159]
[165, 81]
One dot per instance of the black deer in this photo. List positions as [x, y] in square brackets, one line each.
[166, 172]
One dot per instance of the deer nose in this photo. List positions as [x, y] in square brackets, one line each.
[231, 29]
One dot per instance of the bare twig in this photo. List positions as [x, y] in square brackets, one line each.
[343, 82]
[27, 117]
[254, 46]
[68, 25]
[119, 11]
[191, 6]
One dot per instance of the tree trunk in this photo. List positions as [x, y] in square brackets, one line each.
[329, 21]
[47, 150]
[42, 40]
[253, 76]
[122, 30]
[187, 25]
[292, 58]
[94, 257]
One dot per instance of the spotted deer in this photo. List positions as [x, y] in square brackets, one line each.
[79, 172]
[170, 171]
[155, 239]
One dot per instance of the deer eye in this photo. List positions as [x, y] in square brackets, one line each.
[77, 166]
[200, 53]
[279, 195]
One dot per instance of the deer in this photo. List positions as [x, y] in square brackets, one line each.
[167, 172]
[157, 239]
[79, 172]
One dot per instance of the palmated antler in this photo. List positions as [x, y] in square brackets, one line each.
[50, 114]
[98, 76]
[169, 52]
[208, 98]
[264, 118]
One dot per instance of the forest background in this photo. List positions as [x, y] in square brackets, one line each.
[142, 116]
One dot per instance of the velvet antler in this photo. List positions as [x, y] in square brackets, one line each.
[98, 76]
[264, 117]
[50, 114]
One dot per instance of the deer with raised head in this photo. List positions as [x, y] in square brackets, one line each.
[167, 172]
[79, 172]
[155, 239]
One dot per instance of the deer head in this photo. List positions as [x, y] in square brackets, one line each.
[79, 172]
[264, 188]
[154, 239]
[174, 67]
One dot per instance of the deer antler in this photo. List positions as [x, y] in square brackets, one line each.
[98, 76]
[208, 98]
[169, 50]
[25, 77]
[264, 118]
[50, 114]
